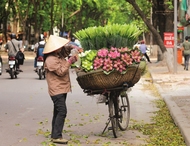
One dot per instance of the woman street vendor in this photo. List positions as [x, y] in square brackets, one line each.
[58, 80]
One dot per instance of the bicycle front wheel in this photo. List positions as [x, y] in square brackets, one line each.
[124, 112]
[113, 112]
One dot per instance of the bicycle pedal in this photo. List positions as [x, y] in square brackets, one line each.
[109, 128]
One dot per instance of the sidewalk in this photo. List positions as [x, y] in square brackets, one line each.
[175, 90]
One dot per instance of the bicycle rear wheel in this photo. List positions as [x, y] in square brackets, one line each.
[113, 110]
[124, 112]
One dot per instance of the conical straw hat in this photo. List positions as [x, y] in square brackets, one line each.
[54, 43]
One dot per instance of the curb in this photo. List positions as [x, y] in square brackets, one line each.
[177, 115]
[178, 118]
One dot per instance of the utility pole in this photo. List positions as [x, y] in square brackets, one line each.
[175, 36]
[151, 37]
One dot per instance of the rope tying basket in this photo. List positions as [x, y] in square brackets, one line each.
[96, 80]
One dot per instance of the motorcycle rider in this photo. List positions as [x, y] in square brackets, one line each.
[12, 47]
[38, 51]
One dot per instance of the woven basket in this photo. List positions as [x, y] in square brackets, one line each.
[98, 80]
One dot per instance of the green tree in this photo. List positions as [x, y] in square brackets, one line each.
[3, 16]
[7, 8]
[86, 13]
[162, 22]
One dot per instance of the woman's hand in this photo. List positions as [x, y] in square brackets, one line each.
[72, 59]
[76, 47]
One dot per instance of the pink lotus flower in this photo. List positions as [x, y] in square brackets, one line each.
[126, 58]
[119, 65]
[136, 56]
[98, 62]
[103, 52]
[123, 50]
[114, 54]
[108, 64]
[113, 49]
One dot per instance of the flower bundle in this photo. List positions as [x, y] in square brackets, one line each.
[108, 60]
[116, 35]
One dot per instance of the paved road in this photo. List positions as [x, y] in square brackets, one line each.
[26, 111]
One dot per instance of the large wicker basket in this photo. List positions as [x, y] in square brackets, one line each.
[99, 80]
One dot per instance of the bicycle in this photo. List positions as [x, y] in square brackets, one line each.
[118, 107]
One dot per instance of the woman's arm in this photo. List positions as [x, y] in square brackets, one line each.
[58, 66]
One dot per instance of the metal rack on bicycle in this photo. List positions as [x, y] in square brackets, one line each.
[113, 87]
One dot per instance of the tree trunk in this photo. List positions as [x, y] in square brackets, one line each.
[156, 35]
[36, 5]
[51, 17]
[5, 25]
[162, 20]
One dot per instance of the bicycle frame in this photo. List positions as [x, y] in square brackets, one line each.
[116, 112]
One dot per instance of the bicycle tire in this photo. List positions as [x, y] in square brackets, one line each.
[112, 112]
[124, 112]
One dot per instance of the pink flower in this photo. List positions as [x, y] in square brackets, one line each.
[114, 54]
[108, 64]
[123, 50]
[103, 52]
[126, 58]
[136, 56]
[98, 62]
[119, 65]
[113, 49]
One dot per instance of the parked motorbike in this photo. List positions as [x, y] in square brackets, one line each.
[12, 67]
[40, 67]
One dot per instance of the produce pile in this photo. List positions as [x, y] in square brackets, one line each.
[116, 35]
[109, 48]
[113, 59]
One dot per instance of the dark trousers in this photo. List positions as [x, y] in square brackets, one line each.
[35, 62]
[17, 64]
[186, 61]
[147, 57]
[59, 115]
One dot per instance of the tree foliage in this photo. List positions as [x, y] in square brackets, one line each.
[71, 15]
[164, 20]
